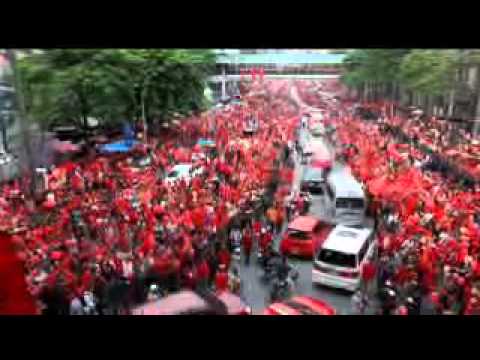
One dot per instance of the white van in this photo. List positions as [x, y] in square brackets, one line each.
[346, 196]
[340, 258]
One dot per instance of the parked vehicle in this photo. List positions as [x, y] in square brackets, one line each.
[313, 180]
[304, 235]
[195, 303]
[345, 193]
[300, 305]
[340, 258]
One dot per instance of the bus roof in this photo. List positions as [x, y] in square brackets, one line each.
[347, 240]
[344, 184]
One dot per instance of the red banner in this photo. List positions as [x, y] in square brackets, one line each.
[15, 299]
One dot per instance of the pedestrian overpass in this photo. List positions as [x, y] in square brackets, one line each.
[282, 65]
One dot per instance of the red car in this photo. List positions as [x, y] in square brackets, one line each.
[304, 235]
[300, 305]
[191, 303]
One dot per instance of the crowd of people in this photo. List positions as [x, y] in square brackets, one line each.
[110, 231]
[450, 142]
[428, 230]
[427, 220]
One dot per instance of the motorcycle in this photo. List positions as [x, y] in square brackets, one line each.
[236, 253]
[307, 201]
[281, 289]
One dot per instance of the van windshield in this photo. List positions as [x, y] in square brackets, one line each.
[336, 258]
[350, 203]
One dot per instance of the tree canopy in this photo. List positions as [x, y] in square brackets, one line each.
[113, 84]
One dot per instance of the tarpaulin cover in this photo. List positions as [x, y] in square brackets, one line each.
[122, 146]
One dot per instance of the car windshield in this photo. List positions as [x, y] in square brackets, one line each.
[298, 235]
[349, 203]
[303, 309]
[336, 258]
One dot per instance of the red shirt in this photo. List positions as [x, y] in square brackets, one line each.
[203, 270]
[266, 240]
[368, 271]
[247, 241]
[221, 281]
[257, 227]
[224, 258]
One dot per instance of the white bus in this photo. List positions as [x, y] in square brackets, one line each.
[346, 196]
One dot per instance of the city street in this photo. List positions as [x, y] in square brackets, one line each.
[256, 293]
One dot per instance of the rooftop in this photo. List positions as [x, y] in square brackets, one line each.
[346, 239]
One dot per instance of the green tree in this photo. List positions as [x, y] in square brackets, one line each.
[374, 72]
[113, 84]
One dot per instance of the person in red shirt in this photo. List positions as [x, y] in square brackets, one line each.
[203, 274]
[247, 245]
[368, 273]
[221, 279]
[265, 240]
[257, 228]
[224, 257]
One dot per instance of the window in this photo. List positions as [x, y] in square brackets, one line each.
[303, 309]
[342, 203]
[173, 174]
[356, 203]
[298, 235]
[350, 203]
[319, 228]
[337, 258]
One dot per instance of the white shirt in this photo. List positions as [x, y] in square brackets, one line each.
[76, 307]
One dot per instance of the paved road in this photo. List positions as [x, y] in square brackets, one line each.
[256, 293]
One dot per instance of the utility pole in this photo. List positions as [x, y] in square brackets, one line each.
[22, 117]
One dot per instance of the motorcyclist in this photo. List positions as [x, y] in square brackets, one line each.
[221, 278]
[235, 281]
[388, 298]
[283, 282]
[306, 202]
[283, 270]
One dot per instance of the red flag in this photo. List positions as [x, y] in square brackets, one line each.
[17, 300]
[261, 73]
